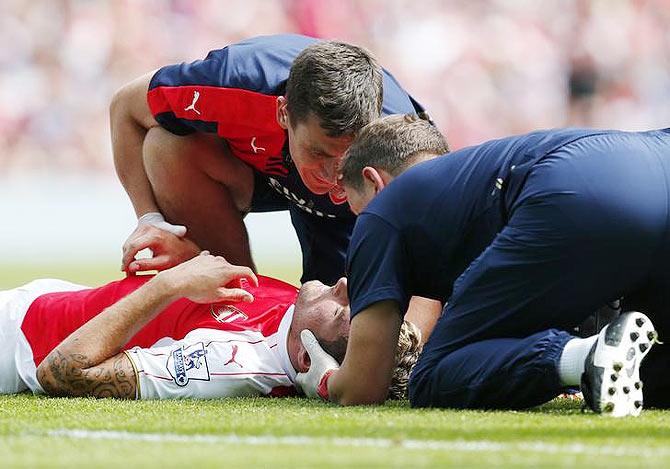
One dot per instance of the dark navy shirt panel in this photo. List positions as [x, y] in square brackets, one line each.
[260, 64]
[385, 280]
[444, 213]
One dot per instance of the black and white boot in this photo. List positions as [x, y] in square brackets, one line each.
[611, 380]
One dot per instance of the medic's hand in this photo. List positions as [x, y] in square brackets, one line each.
[168, 248]
[209, 279]
[314, 383]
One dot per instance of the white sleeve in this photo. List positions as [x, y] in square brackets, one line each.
[208, 364]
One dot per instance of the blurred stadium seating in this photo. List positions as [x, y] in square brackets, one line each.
[483, 69]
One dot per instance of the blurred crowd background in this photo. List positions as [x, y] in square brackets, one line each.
[483, 68]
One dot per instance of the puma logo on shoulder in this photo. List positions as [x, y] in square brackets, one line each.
[254, 147]
[191, 107]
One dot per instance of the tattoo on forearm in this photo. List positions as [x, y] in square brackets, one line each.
[74, 375]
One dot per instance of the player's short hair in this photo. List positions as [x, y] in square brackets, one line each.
[406, 354]
[340, 83]
[392, 143]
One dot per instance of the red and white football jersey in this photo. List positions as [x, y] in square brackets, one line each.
[188, 350]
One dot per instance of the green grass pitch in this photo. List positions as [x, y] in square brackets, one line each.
[44, 432]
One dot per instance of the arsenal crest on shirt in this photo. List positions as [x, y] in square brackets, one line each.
[227, 313]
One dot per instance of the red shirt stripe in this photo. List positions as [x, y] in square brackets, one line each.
[245, 119]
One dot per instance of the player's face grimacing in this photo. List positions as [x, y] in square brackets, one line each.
[316, 155]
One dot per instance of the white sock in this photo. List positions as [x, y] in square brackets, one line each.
[571, 364]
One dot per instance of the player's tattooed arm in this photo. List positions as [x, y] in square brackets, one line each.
[73, 375]
[91, 362]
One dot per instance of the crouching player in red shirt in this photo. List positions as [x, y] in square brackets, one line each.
[177, 334]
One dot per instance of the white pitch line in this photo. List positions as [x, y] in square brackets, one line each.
[435, 445]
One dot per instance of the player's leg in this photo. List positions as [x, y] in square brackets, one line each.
[571, 245]
[324, 243]
[492, 347]
[481, 374]
[197, 182]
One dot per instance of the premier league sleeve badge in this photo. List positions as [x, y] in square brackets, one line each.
[185, 364]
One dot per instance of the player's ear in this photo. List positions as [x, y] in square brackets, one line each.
[373, 176]
[303, 360]
[282, 112]
[340, 289]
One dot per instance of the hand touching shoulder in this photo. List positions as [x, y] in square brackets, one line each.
[208, 279]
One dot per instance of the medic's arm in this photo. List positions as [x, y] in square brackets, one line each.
[365, 374]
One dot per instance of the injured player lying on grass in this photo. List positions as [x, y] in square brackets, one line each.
[178, 334]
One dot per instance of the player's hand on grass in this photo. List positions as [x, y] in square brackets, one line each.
[209, 279]
[168, 249]
[314, 383]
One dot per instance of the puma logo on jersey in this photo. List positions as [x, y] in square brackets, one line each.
[254, 147]
[232, 358]
[191, 107]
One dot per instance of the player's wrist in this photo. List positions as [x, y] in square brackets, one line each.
[151, 218]
[169, 284]
[156, 219]
[322, 387]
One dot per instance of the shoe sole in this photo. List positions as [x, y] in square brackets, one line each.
[620, 349]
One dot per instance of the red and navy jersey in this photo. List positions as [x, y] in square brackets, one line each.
[233, 93]
[54, 316]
